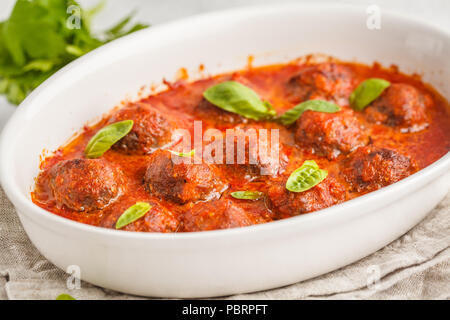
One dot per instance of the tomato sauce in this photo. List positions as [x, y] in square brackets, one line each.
[383, 152]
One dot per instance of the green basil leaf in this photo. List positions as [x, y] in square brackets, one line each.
[189, 154]
[290, 116]
[132, 214]
[367, 92]
[65, 296]
[247, 195]
[270, 109]
[106, 137]
[305, 177]
[234, 97]
[42, 36]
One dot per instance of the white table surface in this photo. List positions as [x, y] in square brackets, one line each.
[156, 11]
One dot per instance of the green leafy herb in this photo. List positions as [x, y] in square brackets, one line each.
[247, 195]
[234, 97]
[106, 137]
[290, 116]
[65, 296]
[367, 92]
[120, 29]
[132, 214]
[183, 154]
[42, 36]
[305, 177]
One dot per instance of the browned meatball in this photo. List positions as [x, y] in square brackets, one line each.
[328, 81]
[323, 195]
[330, 134]
[85, 184]
[157, 219]
[181, 182]
[150, 130]
[214, 116]
[400, 105]
[370, 168]
[223, 214]
[247, 154]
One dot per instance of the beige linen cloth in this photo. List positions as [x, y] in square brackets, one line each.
[416, 266]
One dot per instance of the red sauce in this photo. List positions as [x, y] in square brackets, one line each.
[381, 150]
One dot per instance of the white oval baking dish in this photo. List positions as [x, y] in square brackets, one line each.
[216, 263]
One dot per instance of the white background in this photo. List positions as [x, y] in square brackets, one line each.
[158, 11]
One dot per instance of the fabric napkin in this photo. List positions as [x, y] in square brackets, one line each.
[415, 266]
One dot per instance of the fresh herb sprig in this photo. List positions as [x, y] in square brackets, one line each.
[132, 214]
[235, 97]
[290, 116]
[247, 195]
[65, 296]
[367, 92]
[305, 177]
[42, 36]
[104, 139]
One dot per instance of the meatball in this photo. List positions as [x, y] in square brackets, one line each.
[181, 182]
[223, 214]
[157, 219]
[85, 184]
[257, 158]
[400, 105]
[150, 130]
[250, 152]
[323, 195]
[216, 117]
[370, 168]
[330, 134]
[328, 81]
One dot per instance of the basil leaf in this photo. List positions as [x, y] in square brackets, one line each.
[270, 109]
[290, 116]
[234, 97]
[65, 296]
[247, 195]
[106, 137]
[305, 177]
[367, 92]
[132, 214]
[189, 154]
